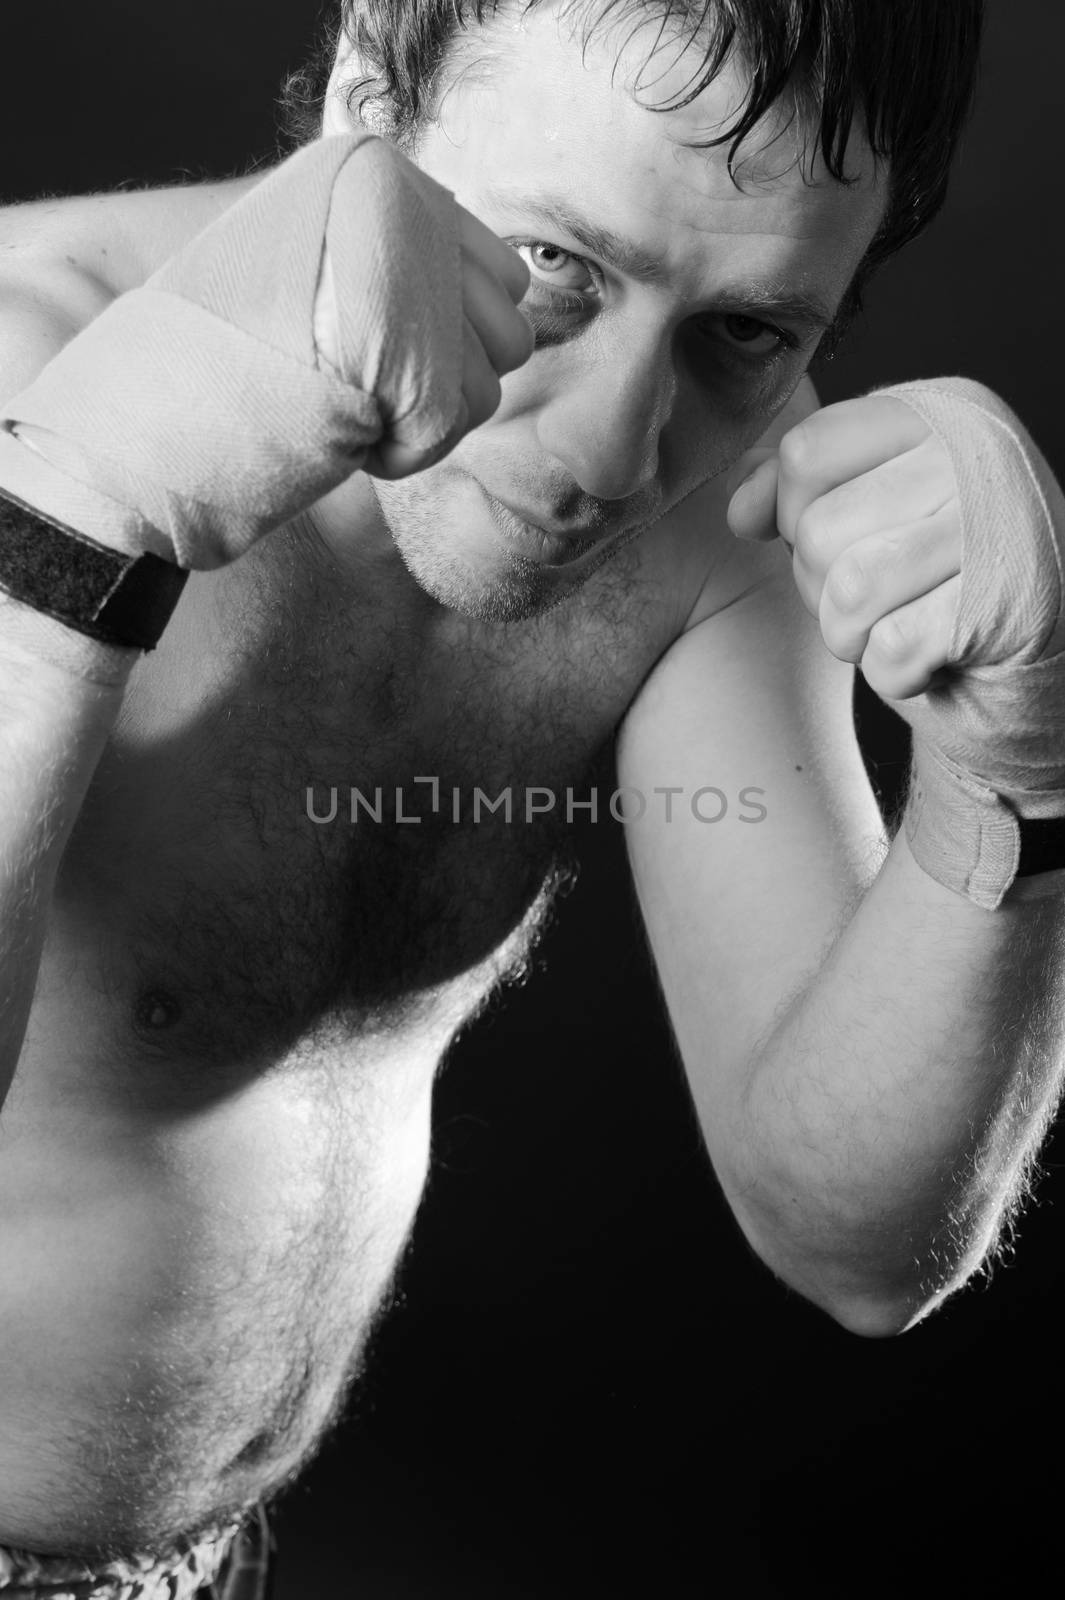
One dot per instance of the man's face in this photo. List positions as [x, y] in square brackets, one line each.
[675, 312]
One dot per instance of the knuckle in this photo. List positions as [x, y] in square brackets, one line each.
[893, 638]
[797, 449]
[813, 536]
[839, 635]
[890, 680]
[851, 580]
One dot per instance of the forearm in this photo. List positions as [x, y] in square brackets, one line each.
[888, 1122]
[60, 694]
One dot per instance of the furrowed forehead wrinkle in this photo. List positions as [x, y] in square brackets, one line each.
[553, 212]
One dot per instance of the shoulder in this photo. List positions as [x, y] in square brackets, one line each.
[106, 244]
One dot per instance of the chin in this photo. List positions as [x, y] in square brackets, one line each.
[485, 597]
[451, 551]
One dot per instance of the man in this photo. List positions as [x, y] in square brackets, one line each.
[225, 1011]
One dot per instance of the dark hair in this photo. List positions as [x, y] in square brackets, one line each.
[908, 67]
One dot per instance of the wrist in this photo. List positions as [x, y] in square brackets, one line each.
[115, 599]
[960, 832]
[974, 841]
[37, 649]
[50, 484]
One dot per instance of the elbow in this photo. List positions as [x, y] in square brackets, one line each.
[874, 1319]
[907, 1300]
[881, 1317]
[870, 1313]
[876, 1280]
[843, 1284]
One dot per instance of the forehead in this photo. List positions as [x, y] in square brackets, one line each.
[533, 107]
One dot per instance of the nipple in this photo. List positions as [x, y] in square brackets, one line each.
[156, 1009]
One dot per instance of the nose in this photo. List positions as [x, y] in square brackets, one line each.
[605, 416]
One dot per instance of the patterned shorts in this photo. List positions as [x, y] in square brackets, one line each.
[232, 1564]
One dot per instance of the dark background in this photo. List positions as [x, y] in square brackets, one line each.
[590, 1386]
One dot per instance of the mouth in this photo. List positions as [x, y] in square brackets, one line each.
[545, 546]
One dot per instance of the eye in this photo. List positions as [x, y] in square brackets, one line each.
[549, 263]
[758, 337]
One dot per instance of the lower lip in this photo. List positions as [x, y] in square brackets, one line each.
[536, 544]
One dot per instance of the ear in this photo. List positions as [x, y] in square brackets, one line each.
[347, 70]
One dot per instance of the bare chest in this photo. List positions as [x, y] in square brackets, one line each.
[355, 846]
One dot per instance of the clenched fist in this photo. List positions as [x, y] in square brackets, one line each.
[866, 498]
[927, 536]
[391, 229]
[345, 314]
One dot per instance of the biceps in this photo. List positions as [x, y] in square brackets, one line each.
[773, 835]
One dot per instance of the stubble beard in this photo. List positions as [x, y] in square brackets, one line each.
[416, 517]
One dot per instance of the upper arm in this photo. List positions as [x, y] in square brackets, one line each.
[80, 232]
[111, 241]
[740, 911]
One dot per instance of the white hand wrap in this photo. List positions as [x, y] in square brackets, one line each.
[197, 413]
[989, 746]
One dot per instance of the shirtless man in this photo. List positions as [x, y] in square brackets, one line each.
[222, 1019]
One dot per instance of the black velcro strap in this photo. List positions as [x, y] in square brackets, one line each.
[1042, 845]
[117, 598]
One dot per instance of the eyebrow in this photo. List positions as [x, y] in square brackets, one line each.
[553, 212]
